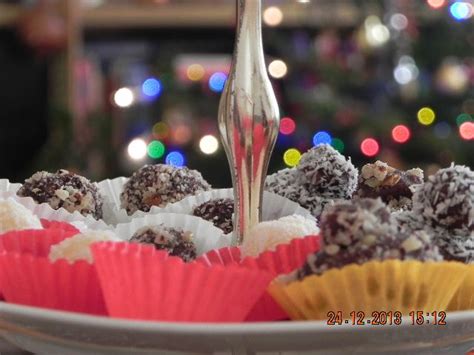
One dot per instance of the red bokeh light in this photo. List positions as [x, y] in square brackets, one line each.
[369, 147]
[466, 130]
[436, 4]
[401, 134]
[287, 126]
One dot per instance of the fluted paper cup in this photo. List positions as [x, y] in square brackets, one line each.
[47, 224]
[286, 258]
[45, 211]
[7, 186]
[391, 285]
[28, 277]
[36, 242]
[205, 236]
[464, 298]
[273, 206]
[182, 292]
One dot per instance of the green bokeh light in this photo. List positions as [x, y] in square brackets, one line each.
[463, 117]
[156, 149]
[338, 144]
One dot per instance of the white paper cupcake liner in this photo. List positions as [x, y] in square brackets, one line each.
[7, 186]
[45, 211]
[111, 189]
[205, 235]
[274, 206]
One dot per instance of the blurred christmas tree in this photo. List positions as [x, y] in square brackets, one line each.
[398, 86]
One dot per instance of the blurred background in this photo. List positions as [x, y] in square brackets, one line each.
[101, 87]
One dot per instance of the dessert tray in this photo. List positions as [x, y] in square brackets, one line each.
[53, 332]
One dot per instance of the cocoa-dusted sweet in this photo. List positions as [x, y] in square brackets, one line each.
[158, 185]
[328, 173]
[390, 184]
[360, 220]
[218, 211]
[447, 199]
[175, 242]
[64, 189]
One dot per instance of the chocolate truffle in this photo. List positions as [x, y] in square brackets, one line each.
[360, 220]
[218, 211]
[288, 183]
[328, 173]
[391, 185]
[285, 183]
[456, 247]
[64, 189]
[416, 246]
[158, 185]
[175, 242]
[447, 198]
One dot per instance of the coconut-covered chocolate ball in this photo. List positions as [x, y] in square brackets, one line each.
[217, 211]
[175, 242]
[158, 185]
[447, 198]
[327, 172]
[390, 184]
[64, 189]
[408, 222]
[360, 220]
[288, 183]
[456, 247]
[416, 246]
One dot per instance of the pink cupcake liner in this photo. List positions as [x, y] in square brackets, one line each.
[47, 224]
[28, 277]
[35, 281]
[285, 259]
[35, 241]
[140, 282]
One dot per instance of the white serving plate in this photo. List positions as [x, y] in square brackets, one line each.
[51, 332]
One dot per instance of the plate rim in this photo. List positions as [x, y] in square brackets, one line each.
[249, 328]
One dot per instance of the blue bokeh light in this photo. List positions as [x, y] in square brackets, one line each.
[461, 10]
[322, 137]
[217, 81]
[151, 87]
[442, 130]
[175, 158]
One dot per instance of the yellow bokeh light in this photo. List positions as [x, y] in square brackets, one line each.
[195, 72]
[426, 116]
[161, 130]
[292, 157]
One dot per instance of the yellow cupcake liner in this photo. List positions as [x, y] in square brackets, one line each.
[392, 285]
[464, 297]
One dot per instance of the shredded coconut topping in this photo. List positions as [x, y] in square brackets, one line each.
[447, 198]
[327, 172]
